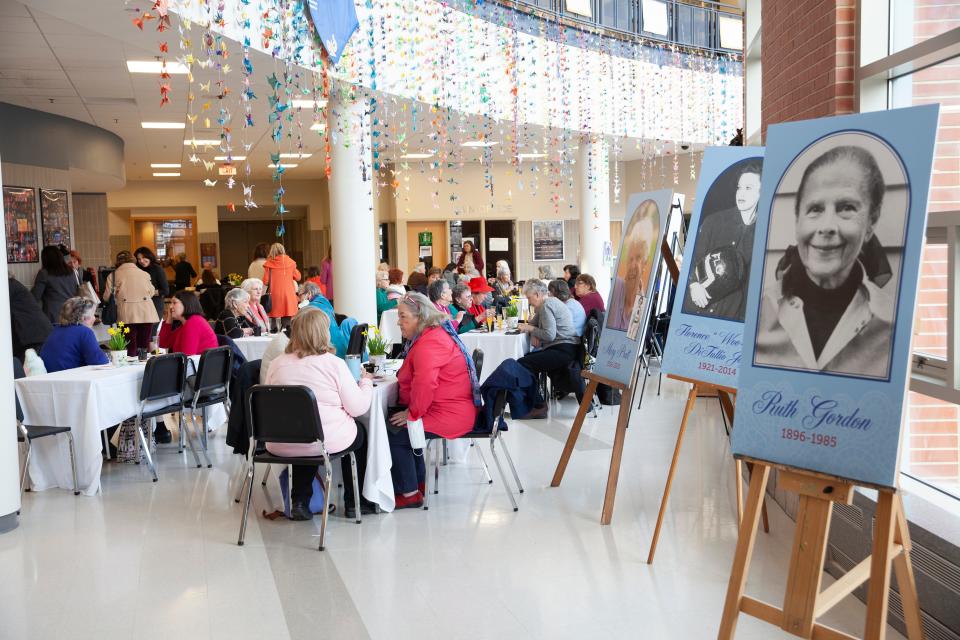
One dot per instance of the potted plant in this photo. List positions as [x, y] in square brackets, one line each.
[377, 348]
[512, 313]
[118, 343]
[235, 279]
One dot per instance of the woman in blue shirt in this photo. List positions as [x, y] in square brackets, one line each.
[72, 343]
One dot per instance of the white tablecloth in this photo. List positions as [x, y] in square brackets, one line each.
[497, 347]
[253, 347]
[377, 482]
[88, 400]
[389, 328]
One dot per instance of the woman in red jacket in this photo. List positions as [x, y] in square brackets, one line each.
[184, 329]
[438, 385]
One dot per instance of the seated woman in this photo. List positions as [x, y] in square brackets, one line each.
[558, 289]
[441, 295]
[308, 360]
[586, 293]
[256, 314]
[480, 291]
[72, 343]
[396, 290]
[437, 385]
[570, 273]
[184, 328]
[550, 329]
[383, 301]
[460, 309]
[233, 321]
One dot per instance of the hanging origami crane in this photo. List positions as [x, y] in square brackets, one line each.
[207, 182]
[334, 23]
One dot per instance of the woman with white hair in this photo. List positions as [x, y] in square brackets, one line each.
[256, 314]
[233, 321]
[437, 385]
[72, 343]
[383, 301]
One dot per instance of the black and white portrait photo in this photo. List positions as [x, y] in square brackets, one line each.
[832, 259]
[720, 273]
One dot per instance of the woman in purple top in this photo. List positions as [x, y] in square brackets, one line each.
[72, 343]
[585, 291]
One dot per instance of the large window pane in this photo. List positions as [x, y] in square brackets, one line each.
[938, 84]
[913, 21]
[931, 450]
[616, 14]
[930, 325]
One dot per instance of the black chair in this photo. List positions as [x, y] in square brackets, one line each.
[210, 386]
[358, 341]
[289, 414]
[27, 434]
[161, 392]
[494, 436]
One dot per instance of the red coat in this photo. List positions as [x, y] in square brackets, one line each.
[191, 338]
[280, 275]
[435, 385]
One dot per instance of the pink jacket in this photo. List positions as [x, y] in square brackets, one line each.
[339, 399]
[192, 338]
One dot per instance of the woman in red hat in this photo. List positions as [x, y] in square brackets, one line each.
[479, 289]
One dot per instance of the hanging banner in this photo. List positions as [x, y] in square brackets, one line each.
[334, 21]
[706, 327]
[836, 265]
[633, 278]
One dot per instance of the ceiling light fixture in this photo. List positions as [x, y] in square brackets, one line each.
[308, 104]
[416, 156]
[296, 156]
[531, 156]
[167, 175]
[155, 66]
[282, 165]
[318, 126]
[478, 144]
[165, 165]
[200, 143]
[231, 158]
[162, 125]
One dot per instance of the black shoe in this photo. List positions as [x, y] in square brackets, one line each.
[367, 508]
[537, 413]
[162, 436]
[300, 510]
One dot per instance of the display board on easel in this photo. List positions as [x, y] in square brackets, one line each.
[625, 326]
[827, 339]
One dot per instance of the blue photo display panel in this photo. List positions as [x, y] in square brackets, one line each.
[705, 342]
[830, 308]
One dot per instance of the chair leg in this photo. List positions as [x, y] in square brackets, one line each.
[199, 431]
[506, 452]
[426, 477]
[483, 461]
[436, 471]
[243, 483]
[326, 503]
[503, 476]
[181, 436]
[356, 485]
[183, 428]
[266, 475]
[203, 431]
[26, 465]
[247, 482]
[145, 443]
[446, 454]
[73, 463]
[106, 445]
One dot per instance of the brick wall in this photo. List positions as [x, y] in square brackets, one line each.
[807, 59]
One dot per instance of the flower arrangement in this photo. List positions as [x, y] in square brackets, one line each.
[376, 343]
[511, 310]
[118, 340]
[235, 279]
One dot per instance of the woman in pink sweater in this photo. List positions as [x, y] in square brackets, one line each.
[184, 329]
[310, 360]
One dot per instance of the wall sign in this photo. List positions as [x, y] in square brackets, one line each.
[20, 223]
[55, 217]
[547, 240]
[830, 308]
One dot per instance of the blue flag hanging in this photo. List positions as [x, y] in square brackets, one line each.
[335, 21]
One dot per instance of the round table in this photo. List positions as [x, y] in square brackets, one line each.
[253, 347]
[497, 347]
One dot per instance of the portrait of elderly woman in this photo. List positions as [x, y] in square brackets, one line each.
[829, 298]
[720, 273]
[637, 259]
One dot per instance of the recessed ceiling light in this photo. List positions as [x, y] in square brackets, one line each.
[478, 143]
[165, 165]
[282, 164]
[580, 7]
[308, 104]
[232, 158]
[318, 126]
[416, 156]
[155, 66]
[531, 156]
[200, 143]
[162, 125]
[296, 156]
[167, 175]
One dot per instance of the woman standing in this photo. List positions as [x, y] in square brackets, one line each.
[326, 275]
[470, 262]
[183, 273]
[280, 275]
[255, 270]
[134, 293]
[437, 384]
[148, 262]
[256, 314]
[55, 283]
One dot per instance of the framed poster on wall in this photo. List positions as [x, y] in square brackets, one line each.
[547, 240]
[54, 217]
[20, 222]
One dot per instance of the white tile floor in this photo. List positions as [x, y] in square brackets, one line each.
[148, 560]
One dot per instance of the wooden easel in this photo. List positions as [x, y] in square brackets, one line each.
[727, 396]
[625, 399]
[803, 602]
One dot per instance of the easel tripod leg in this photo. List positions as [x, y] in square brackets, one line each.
[574, 433]
[877, 592]
[611, 494]
[906, 583]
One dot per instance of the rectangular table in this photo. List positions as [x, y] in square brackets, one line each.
[497, 347]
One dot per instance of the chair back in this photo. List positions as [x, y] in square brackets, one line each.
[478, 361]
[18, 373]
[591, 336]
[358, 341]
[163, 377]
[282, 413]
[213, 372]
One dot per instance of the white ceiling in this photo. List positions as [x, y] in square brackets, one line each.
[59, 67]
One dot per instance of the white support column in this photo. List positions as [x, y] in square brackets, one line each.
[352, 232]
[594, 167]
[9, 457]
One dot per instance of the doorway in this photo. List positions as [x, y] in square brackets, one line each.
[168, 237]
[438, 248]
[238, 239]
[500, 245]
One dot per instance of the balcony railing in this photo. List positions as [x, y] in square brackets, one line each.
[705, 25]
